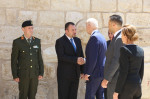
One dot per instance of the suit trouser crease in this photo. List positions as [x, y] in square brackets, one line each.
[68, 88]
[94, 89]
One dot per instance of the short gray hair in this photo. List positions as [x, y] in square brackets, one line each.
[93, 22]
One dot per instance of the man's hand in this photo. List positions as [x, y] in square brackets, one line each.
[80, 60]
[104, 83]
[82, 76]
[115, 95]
[86, 77]
[17, 79]
[40, 77]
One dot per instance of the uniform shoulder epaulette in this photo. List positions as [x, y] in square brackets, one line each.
[22, 37]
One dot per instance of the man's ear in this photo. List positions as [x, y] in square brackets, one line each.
[66, 30]
[22, 29]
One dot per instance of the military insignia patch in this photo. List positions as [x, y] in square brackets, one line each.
[35, 46]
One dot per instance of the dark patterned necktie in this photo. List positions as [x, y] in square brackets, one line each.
[29, 40]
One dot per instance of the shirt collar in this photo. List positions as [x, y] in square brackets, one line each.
[117, 32]
[27, 38]
[68, 37]
[94, 32]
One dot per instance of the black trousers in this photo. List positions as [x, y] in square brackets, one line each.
[105, 93]
[131, 91]
[28, 88]
[67, 88]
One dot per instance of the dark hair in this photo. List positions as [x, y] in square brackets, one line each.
[117, 19]
[67, 25]
[130, 32]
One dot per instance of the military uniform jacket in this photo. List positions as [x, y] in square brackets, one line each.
[26, 59]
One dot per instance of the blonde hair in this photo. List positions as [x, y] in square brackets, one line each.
[130, 32]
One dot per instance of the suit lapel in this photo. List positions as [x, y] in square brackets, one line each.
[117, 36]
[68, 42]
[111, 43]
[114, 38]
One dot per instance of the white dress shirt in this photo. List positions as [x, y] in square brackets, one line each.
[70, 41]
[117, 32]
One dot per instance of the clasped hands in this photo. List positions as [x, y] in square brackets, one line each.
[80, 61]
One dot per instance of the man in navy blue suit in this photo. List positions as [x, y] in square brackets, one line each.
[95, 60]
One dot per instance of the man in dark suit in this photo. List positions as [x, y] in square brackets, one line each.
[26, 62]
[110, 35]
[70, 60]
[112, 56]
[95, 59]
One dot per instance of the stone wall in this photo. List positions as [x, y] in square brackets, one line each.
[49, 17]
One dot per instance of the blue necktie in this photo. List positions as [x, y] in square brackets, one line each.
[73, 44]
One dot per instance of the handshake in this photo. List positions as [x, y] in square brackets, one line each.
[80, 60]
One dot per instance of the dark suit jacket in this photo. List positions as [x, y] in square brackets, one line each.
[26, 60]
[112, 59]
[67, 58]
[95, 55]
[108, 42]
[131, 66]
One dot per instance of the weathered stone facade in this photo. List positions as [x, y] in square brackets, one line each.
[49, 17]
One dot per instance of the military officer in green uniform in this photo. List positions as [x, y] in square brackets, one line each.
[26, 62]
